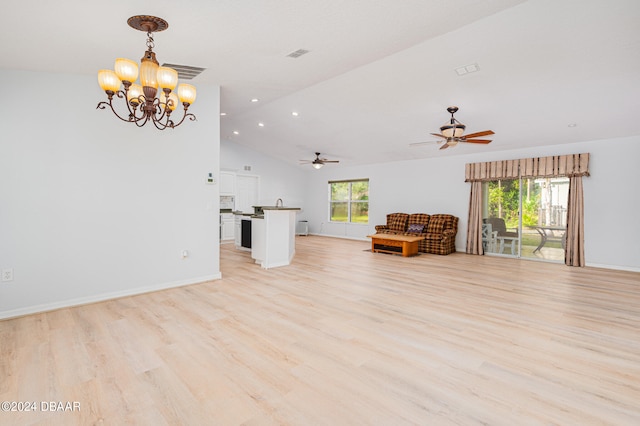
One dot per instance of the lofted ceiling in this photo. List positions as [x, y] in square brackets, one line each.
[379, 74]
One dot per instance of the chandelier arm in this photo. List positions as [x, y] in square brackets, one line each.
[140, 121]
[136, 118]
[104, 104]
[160, 113]
[160, 125]
[132, 112]
[185, 115]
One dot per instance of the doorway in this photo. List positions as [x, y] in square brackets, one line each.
[526, 217]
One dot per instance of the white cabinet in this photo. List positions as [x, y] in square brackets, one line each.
[238, 230]
[228, 226]
[247, 192]
[273, 241]
[257, 239]
[227, 183]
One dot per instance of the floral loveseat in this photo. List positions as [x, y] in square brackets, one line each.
[439, 230]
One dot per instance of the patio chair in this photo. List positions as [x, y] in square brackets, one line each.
[489, 238]
[504, 236]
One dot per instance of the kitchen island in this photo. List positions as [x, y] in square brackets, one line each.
[273, 236]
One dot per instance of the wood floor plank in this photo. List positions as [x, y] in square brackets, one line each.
[342, 336]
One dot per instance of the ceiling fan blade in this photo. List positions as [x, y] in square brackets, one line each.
[439, 135]
[330, 161]
[475, 135]
[445, 146]
[476, 140]
[306, 161]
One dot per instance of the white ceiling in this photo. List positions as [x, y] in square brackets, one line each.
[380, 73]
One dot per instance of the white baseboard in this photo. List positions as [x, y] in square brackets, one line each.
[616, 267]
[344, 237]
[104, 296]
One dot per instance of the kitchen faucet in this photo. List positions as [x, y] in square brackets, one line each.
[279, 202]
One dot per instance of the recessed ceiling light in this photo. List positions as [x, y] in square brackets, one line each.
[222, 114]
[235, 132]
[295, 113]
[261, 124]
[254, 100]
[572, 125]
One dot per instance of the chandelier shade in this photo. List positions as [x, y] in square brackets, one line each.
[172, 101]
[134, 95]
[126, 69]
[154, 98]
[167, 78]
[187, 93]
[149, 73]
[108, 80]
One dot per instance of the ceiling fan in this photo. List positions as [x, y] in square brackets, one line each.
[452, 133]
[318, 162]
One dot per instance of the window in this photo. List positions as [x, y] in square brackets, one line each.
[349, 201]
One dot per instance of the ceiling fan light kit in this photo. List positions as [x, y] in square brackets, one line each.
[454, 128]
[143, 105]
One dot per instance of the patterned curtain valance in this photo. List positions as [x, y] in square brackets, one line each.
[492, 170]
[559, 165]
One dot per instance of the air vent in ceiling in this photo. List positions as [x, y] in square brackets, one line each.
[297, 53]
[185, 72]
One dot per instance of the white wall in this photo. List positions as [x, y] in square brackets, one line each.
[437, 185]
[277, 178]
[92, 207]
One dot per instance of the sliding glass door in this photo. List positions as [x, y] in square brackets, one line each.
[545, 221]
[525, 217]
[501, 217]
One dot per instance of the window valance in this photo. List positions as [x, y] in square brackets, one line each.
[554, 166]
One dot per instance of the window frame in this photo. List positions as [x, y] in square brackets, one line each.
[349, 201]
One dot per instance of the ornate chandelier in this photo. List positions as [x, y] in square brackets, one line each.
[142, 104]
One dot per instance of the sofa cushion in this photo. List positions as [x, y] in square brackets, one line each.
[420, 218]
[436, 225]
[397, 221]
[415, 228]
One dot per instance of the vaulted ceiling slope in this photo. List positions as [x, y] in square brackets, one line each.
[379, 74]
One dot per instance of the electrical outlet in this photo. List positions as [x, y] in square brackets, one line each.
[7, 274]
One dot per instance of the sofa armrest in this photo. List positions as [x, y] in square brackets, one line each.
[381, 228]
[449, 233]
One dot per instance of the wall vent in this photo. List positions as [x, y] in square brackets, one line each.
[297, 53]
[185, 72]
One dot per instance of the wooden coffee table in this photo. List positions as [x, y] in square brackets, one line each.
[395, 244]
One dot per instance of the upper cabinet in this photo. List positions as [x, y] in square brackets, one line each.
[227, 183]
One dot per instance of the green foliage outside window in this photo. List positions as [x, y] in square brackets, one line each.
[349, 201]
[504, 198]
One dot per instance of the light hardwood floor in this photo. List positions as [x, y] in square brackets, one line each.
[342, 337]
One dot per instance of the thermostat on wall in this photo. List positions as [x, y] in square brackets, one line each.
[210, 179]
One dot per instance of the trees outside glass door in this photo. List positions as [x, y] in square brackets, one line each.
[525, 217]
